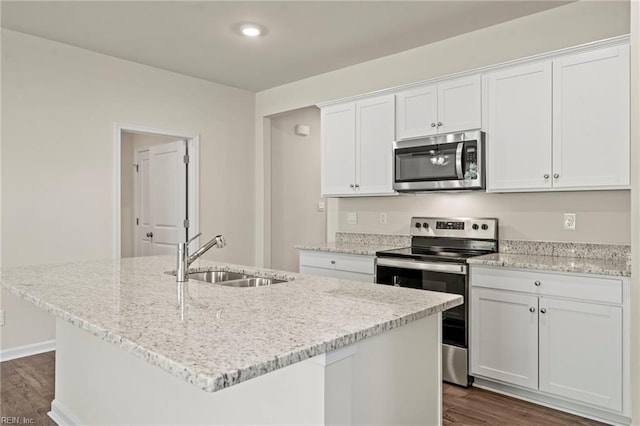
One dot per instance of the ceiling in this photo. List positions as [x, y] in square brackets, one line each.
[304, 38]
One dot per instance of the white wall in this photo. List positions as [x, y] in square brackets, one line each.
[295, 185]
[60, 104]
[561, 27]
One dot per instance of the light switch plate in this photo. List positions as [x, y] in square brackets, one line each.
[352, 218]
[383, 218]
[1, 317]
[320, 206]
[569, 221]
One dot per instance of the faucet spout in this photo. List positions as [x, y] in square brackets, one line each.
[184, 260]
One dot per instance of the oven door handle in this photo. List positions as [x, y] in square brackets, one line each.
[449, 268]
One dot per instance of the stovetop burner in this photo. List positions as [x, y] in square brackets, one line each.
[448, 240]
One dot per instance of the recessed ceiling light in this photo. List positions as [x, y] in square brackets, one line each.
[251, 30]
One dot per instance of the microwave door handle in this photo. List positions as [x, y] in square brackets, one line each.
[459, 160]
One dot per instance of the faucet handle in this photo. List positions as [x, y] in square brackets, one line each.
[193, 238]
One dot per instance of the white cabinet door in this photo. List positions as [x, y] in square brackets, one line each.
[375, 129]
[459, 106]
[591, 119]
[519, 128]
[581, 352]
[504, 336]
[338, 149]
[417, 112]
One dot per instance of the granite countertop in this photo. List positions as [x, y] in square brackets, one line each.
[228, 335]
[347, 247]
[581, 265]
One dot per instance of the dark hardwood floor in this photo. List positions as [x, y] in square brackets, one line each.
[475, 406]
[27, 389]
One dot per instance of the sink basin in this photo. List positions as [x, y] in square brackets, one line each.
[232, 279]
[216, 276]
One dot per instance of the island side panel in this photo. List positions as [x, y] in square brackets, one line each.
[397, 376]
[100, 383]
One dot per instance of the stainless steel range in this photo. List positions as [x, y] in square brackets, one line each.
[437, 261]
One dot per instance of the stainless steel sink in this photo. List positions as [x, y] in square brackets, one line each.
[216, 276]
[232, 279]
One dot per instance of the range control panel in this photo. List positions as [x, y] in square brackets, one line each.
[482, 228]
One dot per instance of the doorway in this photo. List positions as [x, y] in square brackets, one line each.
[157, 190]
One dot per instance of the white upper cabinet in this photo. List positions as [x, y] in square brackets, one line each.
[561, 124]
[591, 119]
[519, 127]
[357, 152]
[338, 149]
[449, 106]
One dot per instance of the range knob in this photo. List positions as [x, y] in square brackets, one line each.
[418, 225]
[485, 226]
[425, 225]
[475, 227]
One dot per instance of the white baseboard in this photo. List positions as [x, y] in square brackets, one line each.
[27, 350]
[61, 415]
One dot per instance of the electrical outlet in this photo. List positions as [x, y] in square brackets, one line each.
[383, 218]
[569, 221]
[352, 218]
[1, 317]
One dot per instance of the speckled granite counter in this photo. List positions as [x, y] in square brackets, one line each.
[613, 267]
[229, 335]
[365, 244]
[348, 248]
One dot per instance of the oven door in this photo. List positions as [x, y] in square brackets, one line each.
[443, 277]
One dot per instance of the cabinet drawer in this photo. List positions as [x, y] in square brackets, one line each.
[597, 289]
[339, 261]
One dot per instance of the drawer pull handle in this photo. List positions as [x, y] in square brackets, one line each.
[543, 311]
[532, 310]
[537, 283]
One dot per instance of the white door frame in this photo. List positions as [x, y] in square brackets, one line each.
[193, 181]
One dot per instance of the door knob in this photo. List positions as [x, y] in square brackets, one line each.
[150, 234]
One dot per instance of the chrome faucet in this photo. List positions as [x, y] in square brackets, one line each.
[184, 260]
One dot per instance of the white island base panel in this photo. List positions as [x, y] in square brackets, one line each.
[390, 378]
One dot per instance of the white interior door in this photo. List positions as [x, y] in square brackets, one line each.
[161, 198]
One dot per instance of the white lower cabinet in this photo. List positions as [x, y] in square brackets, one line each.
[538, 331]
[346, 266]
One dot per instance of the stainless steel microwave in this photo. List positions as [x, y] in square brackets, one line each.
[453, 161]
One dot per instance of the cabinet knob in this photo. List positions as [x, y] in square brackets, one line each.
[556, 175]
[352, 186]
[149, 234]
[537, 283]
[543, 311]
[546, 175]
[433, 124]
[333, 262]
[439, 123]
[357, 185]
[532, 310]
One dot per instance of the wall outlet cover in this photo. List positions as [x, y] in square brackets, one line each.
[352, 218]
[569, 221]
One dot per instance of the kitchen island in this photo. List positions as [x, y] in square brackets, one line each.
[312, 350]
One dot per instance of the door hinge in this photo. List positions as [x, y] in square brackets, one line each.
[137, 167]
[186, 159]
[186, 223]
[137, 221]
